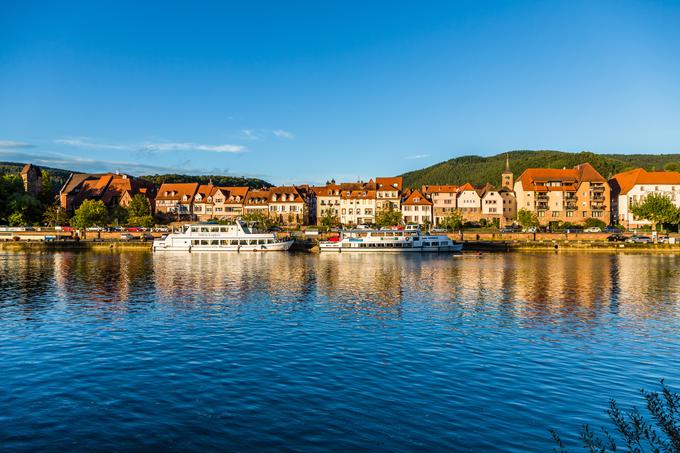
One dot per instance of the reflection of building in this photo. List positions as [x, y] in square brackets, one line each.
[565, 195]
[633, 186]
[32, 177]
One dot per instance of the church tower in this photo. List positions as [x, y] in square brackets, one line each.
[507, 178]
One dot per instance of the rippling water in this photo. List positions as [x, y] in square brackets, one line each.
[339, 352]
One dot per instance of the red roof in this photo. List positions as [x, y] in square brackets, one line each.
[639, 176]
[417, 199]
[535, 179]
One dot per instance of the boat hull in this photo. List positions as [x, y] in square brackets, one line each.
[437, 249]
[275, 247]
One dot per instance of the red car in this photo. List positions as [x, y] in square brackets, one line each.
[135, 229]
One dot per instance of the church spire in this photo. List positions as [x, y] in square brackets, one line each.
[507, 162]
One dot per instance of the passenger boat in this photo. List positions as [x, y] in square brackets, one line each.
[409, 239]
[209, 237]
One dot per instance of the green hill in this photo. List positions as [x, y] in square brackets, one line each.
[480, 170]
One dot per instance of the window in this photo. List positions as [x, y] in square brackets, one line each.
[556, 213]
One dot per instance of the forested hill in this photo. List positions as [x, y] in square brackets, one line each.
[480, 170]
[224, 181]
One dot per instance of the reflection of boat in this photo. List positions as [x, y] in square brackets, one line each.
[222, 238]
[390, 240]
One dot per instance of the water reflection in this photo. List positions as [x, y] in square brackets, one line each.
[265, 351]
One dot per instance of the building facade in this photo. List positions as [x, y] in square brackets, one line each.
[175, 200]
[416, 209]
[31, 175]
[630, 187]
[444, 200]
[564, 195]
[113, 189]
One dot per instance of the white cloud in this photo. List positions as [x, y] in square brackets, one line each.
[193, 147]
[283, 134]
[9, 144]
[417, 156]
[160, 146]
[86, 143]
[250, 134]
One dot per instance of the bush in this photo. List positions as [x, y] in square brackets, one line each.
[594, 223]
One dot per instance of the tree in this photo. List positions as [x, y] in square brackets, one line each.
[16, 219]
[55, 215]
[527, 218]
[388, 217]
[27, 205]
[90, 213]
[47, 194]
[452, 221]
[634, 431]
[657, 208]
[329, 219]
[139, 212]
[591, 222]
[260, 217]
[672, 166]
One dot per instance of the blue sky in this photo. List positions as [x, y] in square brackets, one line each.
[300, 92]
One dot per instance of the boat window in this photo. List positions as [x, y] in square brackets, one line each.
[204, 242]
[204, 229]
[223, 242]
[194, 242]
[214, 242]
[243, 242]
[233, 242]
[224, 229]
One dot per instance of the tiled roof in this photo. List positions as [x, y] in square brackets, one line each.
[417, 199]
[257, 197]
[276, 194]
[465, 187]
[393, 182]
[439, 189]
[361, 194]
[534, 179]
[628, 179]
[179, 189]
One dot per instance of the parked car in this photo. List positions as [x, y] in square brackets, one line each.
[574, 229]
[640, 239]
[161, 229]
[593, 230]
[135, 229]
[146, 237]
[611, 229]
[617, 238]
[126, 237]
[663, 239]
[510, 230]
[438, 230]
[95, 228]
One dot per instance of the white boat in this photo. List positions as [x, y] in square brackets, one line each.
[393, 240]
[209, 237]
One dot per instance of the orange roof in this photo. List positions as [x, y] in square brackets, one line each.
[535, 179]
[325, 191]
[436, 189]
[257, 197]
[284, 190]
[360, 194]
[466, 186]
[394, 182]
[417, 198]
[176, 191]
[629, 179]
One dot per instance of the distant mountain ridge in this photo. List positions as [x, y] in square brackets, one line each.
[479, 170]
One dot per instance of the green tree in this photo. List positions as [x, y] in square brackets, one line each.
[55, 215]
[672, 166]
[261, 218]
[591, 222]
[139, 212]
[10, 186]
[329, 219]
[47, 193]
[452, 221]
[90, 213]
[28, 206]
[657, 208]
[388, 217]
[16, 219]
[527, 218]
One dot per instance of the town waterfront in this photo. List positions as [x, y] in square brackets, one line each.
[118, 350]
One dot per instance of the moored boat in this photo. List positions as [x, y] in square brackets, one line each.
[394, 240]
[208, 237]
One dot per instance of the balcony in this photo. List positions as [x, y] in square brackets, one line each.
[542, 206]
[597, 196]
[597, 207]
[542, 197]
[571, 206]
